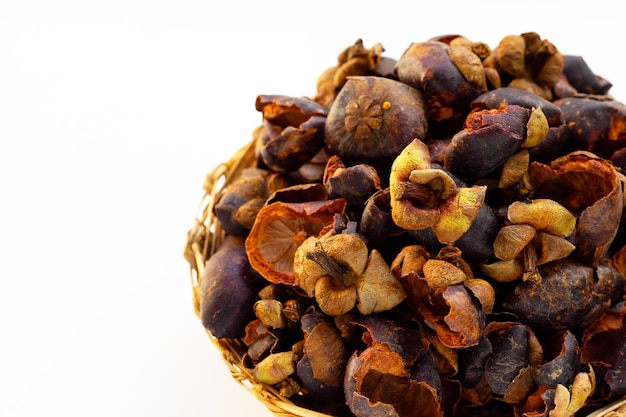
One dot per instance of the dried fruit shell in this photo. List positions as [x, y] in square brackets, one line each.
[482, 290]
[435, 179]
[410, 260]
[306, 271]
[488, 139]
[274, 368]
[228, 289]
[458, 213]
[544, 215]
[415, 156]
[552, 248]
[270, 312]
[590, 187]
[536, 128]
[469, 64]
[514, 169]
[504, 271]
[333, 297]
[278, 231]
[511, 240]
[440, 273]
[510, 55]
[327, 353]
[378, 289]
[372, 119]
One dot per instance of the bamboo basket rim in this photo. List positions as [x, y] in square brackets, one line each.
[203, 241]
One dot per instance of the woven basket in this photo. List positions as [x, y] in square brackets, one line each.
[203, 241]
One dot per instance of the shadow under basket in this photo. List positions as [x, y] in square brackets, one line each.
[203, 240]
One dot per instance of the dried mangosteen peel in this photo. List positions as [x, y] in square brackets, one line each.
[280, 229]
[589, 187]
[430, 68]
[544, 215]
[570, 295]
[469, 64]
[365, 294]
[515, 172]
[537, 235]
[453, 303]
[422, 197]
[372, 119]
[394, 374]
[354, 60]
[341, 273]
[228, 290]
[275, 368]
[536, 128]
[295, 128]
[487, 140]
[354, 183]
[568, 401]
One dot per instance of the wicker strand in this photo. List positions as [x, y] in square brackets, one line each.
[207, 231]
[617, 409]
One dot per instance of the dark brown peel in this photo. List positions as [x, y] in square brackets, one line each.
[373, 119]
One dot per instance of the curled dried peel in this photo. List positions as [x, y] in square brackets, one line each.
[536, 128]
[543, 214]
[295, 128]
[306, 271]
[436, 179]
[378, 289]
[505, 368]
[489, 137]
[415, 156]
[280, 228]
[563, 364]
[510, 55]
[347, 249]
[340, 273]
[333, 297]
[536, 237]
[458, 213]
[423, 197]
[514, 169]
[275, 368]
[469, 64]
[511, 240]
[394, 376]
[464, 323]
[589, 187]
[504, 271]
[440, 273]
[552, 248]
[568, 401]
[410, 260]
[270, 312]
[327, 353]
[483, 291]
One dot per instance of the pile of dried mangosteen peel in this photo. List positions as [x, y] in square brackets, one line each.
[440, 234]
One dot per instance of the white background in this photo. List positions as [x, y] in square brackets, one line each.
[111, 113]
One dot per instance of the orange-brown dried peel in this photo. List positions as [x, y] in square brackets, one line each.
[280, 229]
